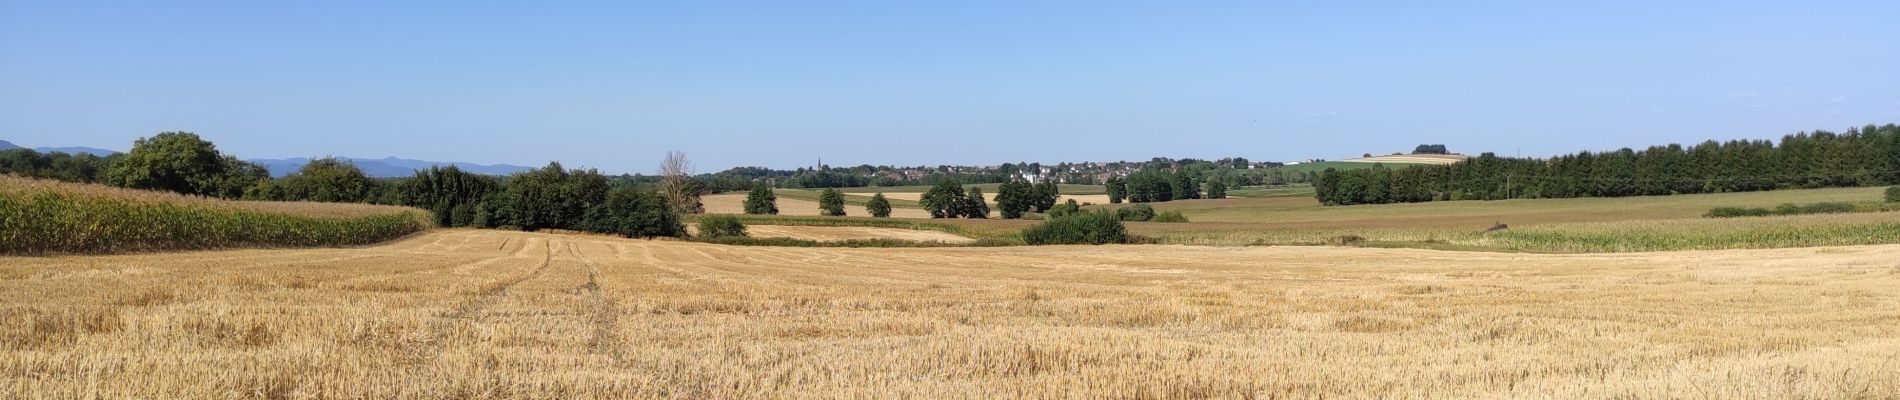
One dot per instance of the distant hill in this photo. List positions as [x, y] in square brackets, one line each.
[76, 150]
[6, 145]
[389, 167]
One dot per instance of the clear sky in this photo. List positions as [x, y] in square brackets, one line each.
[614, 85]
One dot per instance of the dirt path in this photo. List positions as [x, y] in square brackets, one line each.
[466, 313]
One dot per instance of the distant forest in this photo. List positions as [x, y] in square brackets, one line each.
[1865, 156]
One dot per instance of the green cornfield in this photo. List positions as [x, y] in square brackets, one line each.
[46, 217]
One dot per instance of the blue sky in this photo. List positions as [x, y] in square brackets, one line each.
[614, 85]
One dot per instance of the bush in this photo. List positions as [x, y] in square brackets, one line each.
[1783, 209]
[1137, 213]
[1815, 208]
[633, 212]
[1893, 194]
[1083, 228]
[831, 203]
[718, 226]
[1171, 216]
[1730, 212]
[1065, 209]
[761, 200]
[879, 206]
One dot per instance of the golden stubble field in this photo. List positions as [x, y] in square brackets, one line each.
[492, 314]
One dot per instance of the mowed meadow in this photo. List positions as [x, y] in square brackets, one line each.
[1655, 223]
[495, 314]
[1291, 216]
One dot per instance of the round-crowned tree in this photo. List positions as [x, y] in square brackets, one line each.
[761, 200]
[879, 206]
[831, 203]
[943, 200]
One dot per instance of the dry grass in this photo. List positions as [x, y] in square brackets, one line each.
[735, 204]
[493, 314]
[1649, 223]
[840, 233]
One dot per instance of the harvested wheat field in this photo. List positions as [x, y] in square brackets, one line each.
[494, 314]
[735, 204]
[990, 197]
[839, 233]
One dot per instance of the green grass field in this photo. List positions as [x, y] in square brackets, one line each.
[1537, 225]
[1302, 190]
[988, 189]
[1290, 216]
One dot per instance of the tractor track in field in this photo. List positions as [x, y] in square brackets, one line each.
[443, 325]
[605, 310]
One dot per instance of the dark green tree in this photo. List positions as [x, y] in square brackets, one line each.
[173, 161]
[878, 206]
[633, 212]
[1117, 189]
[1046, 193]
[1014, 198]
[942, 200]
[1183, 187]
[449, 192]
[973, 205]
[326, 179]
[831, 203]
[1216, 189]
[761, 200]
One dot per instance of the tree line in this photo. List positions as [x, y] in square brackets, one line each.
[551, 197]
[1156, 186]
[1865, 156]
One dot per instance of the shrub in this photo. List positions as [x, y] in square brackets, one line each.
[831, 203]
[633, 212]
[1065, 209]
[718, 226]
[1217, 189]
[1730, 212]
[1171, 216]
[1347, 240]
[1815, 208]
[1082, 228]
[1783, 209]
[972, 205]
[761, 200]
[1139, 212]
[879, 206]
[1893, 194]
